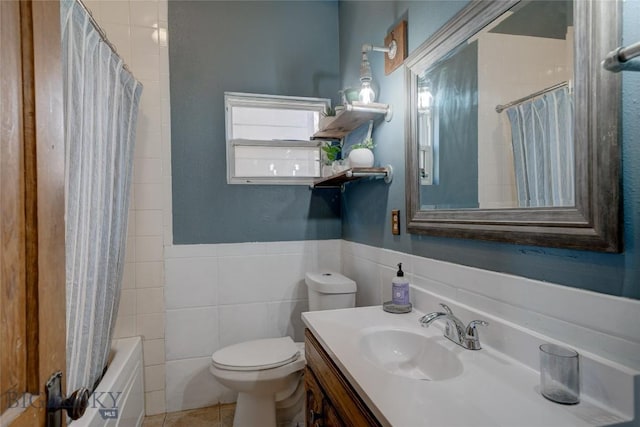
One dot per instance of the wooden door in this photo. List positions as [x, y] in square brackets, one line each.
[32, 263]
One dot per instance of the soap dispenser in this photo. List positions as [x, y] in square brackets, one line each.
[399, 294]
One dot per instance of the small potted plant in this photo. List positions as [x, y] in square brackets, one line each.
[361, 155]
[331, 152]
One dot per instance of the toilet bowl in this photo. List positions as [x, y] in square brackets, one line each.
[267, 373]
[261, 371]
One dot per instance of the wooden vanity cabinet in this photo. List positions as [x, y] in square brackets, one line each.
[331, 400]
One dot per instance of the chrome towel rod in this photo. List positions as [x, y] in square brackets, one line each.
[501, 108]
[617, 60]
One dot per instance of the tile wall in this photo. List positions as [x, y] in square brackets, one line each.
[218, 295]
[603, 325]
[138, 29]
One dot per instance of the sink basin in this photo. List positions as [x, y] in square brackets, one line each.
[409, 354]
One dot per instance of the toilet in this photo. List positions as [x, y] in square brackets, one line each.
[267, 373]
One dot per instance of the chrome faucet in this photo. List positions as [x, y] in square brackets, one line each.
[455, 330]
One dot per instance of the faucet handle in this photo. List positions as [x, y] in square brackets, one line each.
[446, 308]
[472, 337]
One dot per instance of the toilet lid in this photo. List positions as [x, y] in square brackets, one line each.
[256, 355]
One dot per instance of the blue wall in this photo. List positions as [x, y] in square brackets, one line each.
[366, 206]
[270, 47]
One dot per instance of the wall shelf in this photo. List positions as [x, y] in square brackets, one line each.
[350, 118]
[340, 179]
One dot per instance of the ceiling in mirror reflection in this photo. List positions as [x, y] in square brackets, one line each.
[472, 156]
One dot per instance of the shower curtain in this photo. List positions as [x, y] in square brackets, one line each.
[101, 106]
[542, 140]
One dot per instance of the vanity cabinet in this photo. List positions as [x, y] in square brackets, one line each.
[331, 400]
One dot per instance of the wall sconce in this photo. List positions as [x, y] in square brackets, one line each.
[396, 52]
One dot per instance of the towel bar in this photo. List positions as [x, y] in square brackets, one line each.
[619, 59]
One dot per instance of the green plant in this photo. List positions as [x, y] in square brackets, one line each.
[332, 151]
[366, 143]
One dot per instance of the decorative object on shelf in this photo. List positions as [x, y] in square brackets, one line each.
[332, 150]
[396, 52]
[349, 95]
[340, 166]
[361, 155]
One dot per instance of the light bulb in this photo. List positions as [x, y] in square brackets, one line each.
[367, 94]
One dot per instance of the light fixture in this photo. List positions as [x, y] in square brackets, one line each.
[368, 92]
[396, 52]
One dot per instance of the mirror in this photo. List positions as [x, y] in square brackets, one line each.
[512, 128]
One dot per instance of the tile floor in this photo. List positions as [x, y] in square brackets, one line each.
[214, 416]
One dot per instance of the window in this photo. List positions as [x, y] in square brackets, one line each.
[269, 138]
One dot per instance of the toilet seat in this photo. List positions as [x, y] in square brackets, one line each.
[256, 355]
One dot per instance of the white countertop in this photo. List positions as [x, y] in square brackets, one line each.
[492, 390]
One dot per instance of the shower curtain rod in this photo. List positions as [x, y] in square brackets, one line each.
[501, 108]
[616, 59]
[103, 35]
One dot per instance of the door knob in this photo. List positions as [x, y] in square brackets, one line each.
[75, 405]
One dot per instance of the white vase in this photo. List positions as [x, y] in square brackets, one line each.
[361, 158]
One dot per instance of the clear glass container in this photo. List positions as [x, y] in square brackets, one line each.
[560, 374]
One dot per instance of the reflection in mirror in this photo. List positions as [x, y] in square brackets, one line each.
[513, 125]
[495, 115]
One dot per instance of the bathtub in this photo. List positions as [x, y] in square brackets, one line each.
[119, 398]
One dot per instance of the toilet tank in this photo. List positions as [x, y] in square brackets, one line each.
[330, 290]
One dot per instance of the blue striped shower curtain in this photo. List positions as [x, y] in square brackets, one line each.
[542, 140]
[101, 107]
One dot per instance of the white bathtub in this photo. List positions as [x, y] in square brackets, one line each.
[119, 398]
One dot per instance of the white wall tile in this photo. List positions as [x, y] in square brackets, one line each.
[191, 385]
[148, 141]
[148, 222]
[304, 247]
[145, 67]
[149, 274]
[242, 249]
[244, 322]
[127, 302]
[144, 13]
[150, 300]
[150, 326]
[191, 251]
[285, 319]
[148, 248]
[147, 171]
[162, 11]
[154, 402]
[367, 277]
[130, 250]
[261, 278]
[148, 196]
[125, 327]
[115, 12]
[153, 351]
[154, 378]
[191, 332]
[129, 275]
[191, 282]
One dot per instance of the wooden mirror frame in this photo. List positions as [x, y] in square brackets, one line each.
[594, 222]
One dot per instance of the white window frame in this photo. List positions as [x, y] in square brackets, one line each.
[235, 99]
